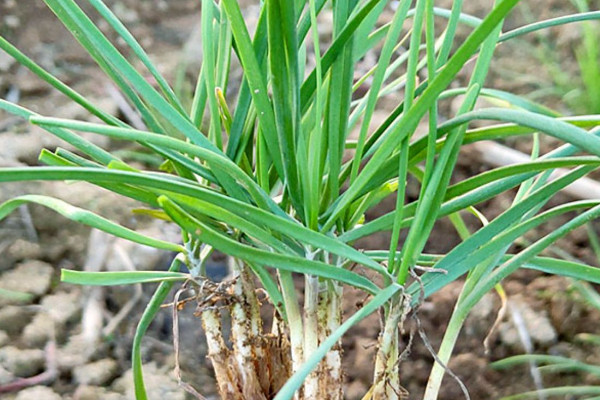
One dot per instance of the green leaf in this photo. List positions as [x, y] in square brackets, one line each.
[15, 296]
[410, 119]
[87, 218]
[217, 161]
[542, 123]
[285, 86]
[559, 363]
[256, 83]
[95, 42]
[564, 268]
[336, 49]
[118, 26]
[587, 16]
[205, 234]
[55, 82]
[483, 243]
[558, 391]
[120, 277]
[77, 141]
[148, 315]
[167, 184]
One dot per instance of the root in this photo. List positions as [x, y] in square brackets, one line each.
[45, 378]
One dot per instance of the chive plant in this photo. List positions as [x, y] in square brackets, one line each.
[580, 90]
[260, 174]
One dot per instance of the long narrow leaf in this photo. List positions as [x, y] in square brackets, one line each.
[256, 215]
[148, 315]
[87, 218]
[279, 261]
[120, 277]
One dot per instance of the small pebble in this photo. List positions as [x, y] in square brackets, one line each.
[6, 61]
[84, 392]
[33, 277]
[63, 307]
[37, 393]
[12, 21]
[39, 331]
[160, 384]
[22, 363]
[14, 318]
[98, 373]
[4, 339]
[537, 324]
[5, 376]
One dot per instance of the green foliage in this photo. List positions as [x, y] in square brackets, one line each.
[266, 180]
[578, 88]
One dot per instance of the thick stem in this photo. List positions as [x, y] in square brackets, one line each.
[311, 332]
[331, 377]
[219, 355]
[386, 377]
[292, 309]
[279, 359]
[246, 336]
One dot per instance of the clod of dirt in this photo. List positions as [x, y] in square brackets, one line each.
[39, 331]
[125, 14]
[536, 323]
[13, 319]
[469, 368]
[33, 277]
[5, 376]
[23, 145]
[142, 257]
[95, 392]
[77, 352]
[12, 21]
[59, 310]
[22, 363]
[482, 316]
[6, 62]
[356, 390]
[97, 373]
[37, 393]
[19, 250]
[63, 307]
[159, 384]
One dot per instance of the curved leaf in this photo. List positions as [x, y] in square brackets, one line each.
[87, 218]
[205, 234]
[166, 184]
[120, 277]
